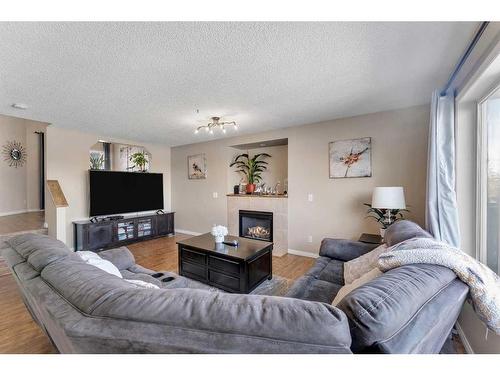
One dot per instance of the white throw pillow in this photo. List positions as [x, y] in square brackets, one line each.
[142, 284]
[348, 288]
[359, 266]
[95, 260]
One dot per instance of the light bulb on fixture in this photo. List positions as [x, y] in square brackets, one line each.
[196, 131]
[217, 124]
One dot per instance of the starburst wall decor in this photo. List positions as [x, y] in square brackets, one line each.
[14, 154]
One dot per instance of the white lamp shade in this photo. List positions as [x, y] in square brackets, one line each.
[392, 197]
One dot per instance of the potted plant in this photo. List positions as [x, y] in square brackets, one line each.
[139, 160]
[96, 161]
[385, 217]
[251, 168]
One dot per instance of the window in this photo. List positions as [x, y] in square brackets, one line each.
[489, 181]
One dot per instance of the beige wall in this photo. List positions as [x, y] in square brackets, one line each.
[13, 180]
[19, 189]
[68, 162]
[399, 158]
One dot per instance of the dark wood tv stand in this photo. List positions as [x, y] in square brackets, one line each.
[100, 235]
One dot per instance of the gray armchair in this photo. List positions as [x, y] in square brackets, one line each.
[344, 250]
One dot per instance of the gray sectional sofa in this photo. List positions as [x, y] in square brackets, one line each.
[82, 309]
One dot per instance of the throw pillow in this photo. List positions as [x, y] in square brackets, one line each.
[359, 266]
[95, 260]
[348, 288]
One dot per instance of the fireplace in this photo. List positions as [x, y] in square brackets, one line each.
[257, 225]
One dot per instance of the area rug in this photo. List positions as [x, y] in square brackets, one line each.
[277, 286]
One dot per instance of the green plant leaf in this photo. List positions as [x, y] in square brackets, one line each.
[251, 168]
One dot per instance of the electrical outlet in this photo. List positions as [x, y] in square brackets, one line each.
[215, 194]
[310, 239]
[310, 197]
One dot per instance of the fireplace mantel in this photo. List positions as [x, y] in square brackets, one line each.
[258, 195]
[279, 208]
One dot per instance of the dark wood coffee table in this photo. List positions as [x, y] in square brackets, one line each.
[234, 269]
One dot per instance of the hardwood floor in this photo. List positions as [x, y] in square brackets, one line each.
[19, 334]
[22, 222]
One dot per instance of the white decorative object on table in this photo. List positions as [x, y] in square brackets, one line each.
[219, 231]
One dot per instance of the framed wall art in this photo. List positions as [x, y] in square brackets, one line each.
[197, 167]
[351, 158]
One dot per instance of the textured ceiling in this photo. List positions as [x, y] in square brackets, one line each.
[144, 81]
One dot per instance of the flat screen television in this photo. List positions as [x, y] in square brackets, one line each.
[121, 192]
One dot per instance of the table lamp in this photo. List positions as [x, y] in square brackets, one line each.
[389, 198]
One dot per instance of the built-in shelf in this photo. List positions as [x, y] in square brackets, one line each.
[125, 230]
[144, 227]
[258, 195]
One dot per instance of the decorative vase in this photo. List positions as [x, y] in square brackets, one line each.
[250, 188]
[382, 232]
[219, 231]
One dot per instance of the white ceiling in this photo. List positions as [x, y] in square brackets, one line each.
[144, 81]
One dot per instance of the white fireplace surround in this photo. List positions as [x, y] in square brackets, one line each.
[279, 208]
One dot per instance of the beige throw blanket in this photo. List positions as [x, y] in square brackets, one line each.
[484, 284]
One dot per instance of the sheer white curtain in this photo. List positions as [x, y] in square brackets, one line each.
[441, 215]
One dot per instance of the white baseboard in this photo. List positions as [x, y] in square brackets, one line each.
[183, 231]
[302, 253]
[461, 333]
[18, 212]
[12, 212]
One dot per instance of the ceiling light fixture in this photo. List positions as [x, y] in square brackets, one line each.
[216, 124]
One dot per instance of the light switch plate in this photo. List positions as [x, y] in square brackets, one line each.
[310, 197]
[215, 194]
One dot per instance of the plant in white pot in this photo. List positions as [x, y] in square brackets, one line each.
[219, 232]
[387, 207]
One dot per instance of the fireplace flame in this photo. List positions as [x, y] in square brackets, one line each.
[258, 232]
